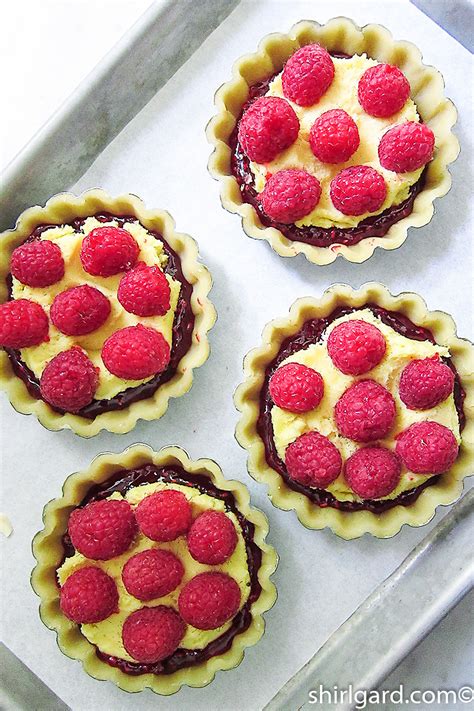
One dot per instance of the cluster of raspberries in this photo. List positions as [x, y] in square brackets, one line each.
[270, 125]
[105, 529]
[365, 413]
[70, 379]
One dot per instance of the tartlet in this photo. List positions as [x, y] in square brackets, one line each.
[375, 409]
[138, 475]
[325, 232]
[110, 294]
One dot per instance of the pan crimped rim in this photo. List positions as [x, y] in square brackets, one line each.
[63, 208]
[353, 524]
[48, 551]
[339, 34]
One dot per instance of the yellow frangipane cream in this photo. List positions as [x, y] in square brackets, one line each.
[151, 253]
[342, 94]
[400, 350]
[107, 635]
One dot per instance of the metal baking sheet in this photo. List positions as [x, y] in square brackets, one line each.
[161, 155]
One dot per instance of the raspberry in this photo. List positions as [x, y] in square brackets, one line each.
[373, 472]
[89, 595]
[268, 127]
[425, 383]
[37, 264]
[144, 291]
[209, 600]
[334, 137]
[289, 195]
[79, 310]
[358, 189]
[296, 387]
[406, 147]
[102, 529]
[307, 75]
[312, 460]
[152, 573]
[107, 251]
[365, 412]
[135, 352]
[355, 347]
[164, 515]
[212, 538]
[152, 633]
[70, 380]
[383, 90]
[427, 448]
[23, 323]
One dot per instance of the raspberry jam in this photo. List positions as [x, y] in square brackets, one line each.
[310, 333]
[182, 333]
[124, 480]
[374, 226]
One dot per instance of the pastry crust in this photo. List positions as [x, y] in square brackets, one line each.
[63, 208]
[247, 400]
[48, 551]
[339, 34]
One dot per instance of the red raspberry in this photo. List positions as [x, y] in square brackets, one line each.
[108, 250]
[357, 190]
[102, 529]
[23, 323]
[268, 127]
[164, 515]
[383, 90]
[38, 263]
[334, 137]
[365, 412]
[425, 383]
[89, 595]
[212, 538]
[209, 600]
[406, 147]
[152, 573]
[135, 352]
[307, 75]
[355, 347]
[152, 633]
[70, 380]
[296, 387]
[373, 472]
[313, 460]
[79, 310]
[144, 291]
[427, 448]
[289, 195]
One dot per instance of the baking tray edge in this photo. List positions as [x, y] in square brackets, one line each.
[146, 57]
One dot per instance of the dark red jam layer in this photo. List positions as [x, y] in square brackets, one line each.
[124, 480]
[311, 333]
[375, 226]
[182, 333]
